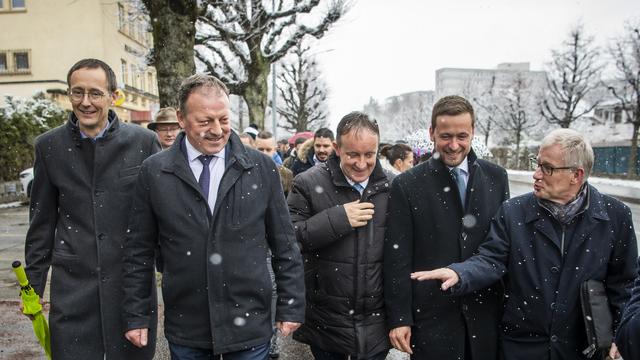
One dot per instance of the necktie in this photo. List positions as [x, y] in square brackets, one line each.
[462, 187]
[205, 175]
[358, 187]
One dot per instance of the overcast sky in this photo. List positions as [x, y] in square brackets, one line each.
[383, 48]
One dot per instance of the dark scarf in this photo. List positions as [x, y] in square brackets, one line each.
[564, 213]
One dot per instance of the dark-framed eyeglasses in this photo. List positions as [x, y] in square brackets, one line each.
[77, 96]
[547, 169]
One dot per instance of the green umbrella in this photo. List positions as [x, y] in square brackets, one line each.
[31, 306]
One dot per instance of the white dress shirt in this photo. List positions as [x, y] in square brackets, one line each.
[216, 169]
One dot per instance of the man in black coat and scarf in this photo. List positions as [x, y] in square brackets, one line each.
[439, 213]
[84, 177]
[545, 244]
[216, 210]
[338, 209]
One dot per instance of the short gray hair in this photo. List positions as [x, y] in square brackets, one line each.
[578, 151]
[195, 82]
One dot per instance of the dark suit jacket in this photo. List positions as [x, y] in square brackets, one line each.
[215, 284]
[428, 228]
[543, 317]
[79, 212]
[628, 335]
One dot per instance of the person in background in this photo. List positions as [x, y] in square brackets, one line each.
[247, 140]
[283, 149]
[83, 183]
[399, 158]
[440, 213]
[338, 209]
[314, 152]
[166, 126]
[545, 244]
[267, 144]
[288, 162]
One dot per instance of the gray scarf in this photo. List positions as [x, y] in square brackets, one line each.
[564, 213]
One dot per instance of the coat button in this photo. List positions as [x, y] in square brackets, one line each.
[553, 306]
[465, 307]
[555, 270]
[101, 236]
[554, 338]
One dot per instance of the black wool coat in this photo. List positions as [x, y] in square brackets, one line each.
[628, 334]
[343, 265]
[216, 285]
[428, 228]
[543, 317]
[80, 202]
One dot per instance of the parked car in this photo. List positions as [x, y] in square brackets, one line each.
[26, 178]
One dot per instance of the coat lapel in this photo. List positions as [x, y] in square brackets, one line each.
[542, 225]
[178, 164]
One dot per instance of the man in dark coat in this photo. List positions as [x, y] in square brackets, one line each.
[435, 219]
[83, 180]
[548, 243]
[215, 208]
[628, 334]
[318, 152]
[338, 209]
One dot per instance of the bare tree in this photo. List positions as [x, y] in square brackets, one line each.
[486, 108]
[572, 73]
[304, 93]
[404, 114]
[237, 41]
[625, 51]
[518, 110]
[173, 27]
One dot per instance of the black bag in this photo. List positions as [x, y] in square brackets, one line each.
[597, 317]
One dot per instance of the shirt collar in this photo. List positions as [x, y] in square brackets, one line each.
[464, 166]
[351, 182]
[193, 153]
[100, 134]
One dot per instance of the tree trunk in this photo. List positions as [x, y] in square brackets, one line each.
[256, 92]
[173, 23]
[633, 151]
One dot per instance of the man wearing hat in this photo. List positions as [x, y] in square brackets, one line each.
[166, 126]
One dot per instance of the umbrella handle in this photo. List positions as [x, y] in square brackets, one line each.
[20, 274]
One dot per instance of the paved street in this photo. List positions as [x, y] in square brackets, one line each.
[16, 338]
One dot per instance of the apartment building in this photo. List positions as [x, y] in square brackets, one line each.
[41, 39]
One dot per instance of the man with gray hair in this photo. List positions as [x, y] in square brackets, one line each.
[222, 211]
[547, 243]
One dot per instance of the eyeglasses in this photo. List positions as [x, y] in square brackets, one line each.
[77, 96]
[548, 169]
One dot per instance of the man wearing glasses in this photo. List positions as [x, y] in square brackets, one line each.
[547, 243]
[82, 189]
[166, 126]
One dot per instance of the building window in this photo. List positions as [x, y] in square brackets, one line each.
[15, 62]
[134, 76]
[125, 72]
[12, 5]
[150, 87]
[122, 20]
[21, 61]
[3, 62]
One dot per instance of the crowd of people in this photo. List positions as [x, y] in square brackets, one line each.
[336, 238]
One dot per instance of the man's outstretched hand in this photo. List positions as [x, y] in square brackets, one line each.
[446, 275]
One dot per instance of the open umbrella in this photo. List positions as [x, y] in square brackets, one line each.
[302, 134]
[31, 306]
